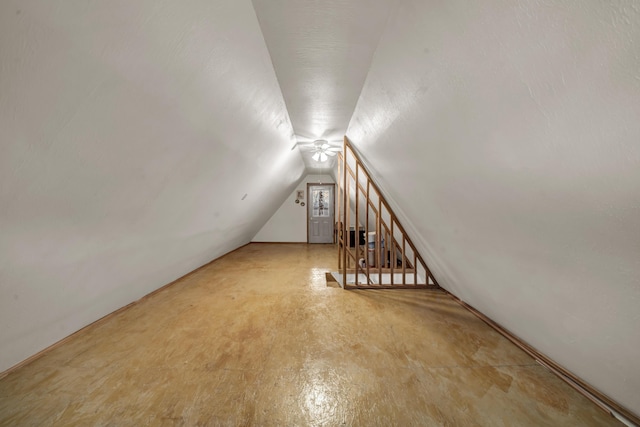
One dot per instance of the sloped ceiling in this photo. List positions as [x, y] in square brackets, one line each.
[321, 52]
[506, 134]
[138, 141]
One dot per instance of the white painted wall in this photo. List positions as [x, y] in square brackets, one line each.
[289, 222]
[508, 132]
[129, 133]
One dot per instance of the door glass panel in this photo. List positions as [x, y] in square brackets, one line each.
[321, 202]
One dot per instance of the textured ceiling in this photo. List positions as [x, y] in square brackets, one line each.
[139, 140]
[321, 52]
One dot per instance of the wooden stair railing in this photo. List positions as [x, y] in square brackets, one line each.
[388, 252]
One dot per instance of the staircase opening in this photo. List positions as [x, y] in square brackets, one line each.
[374, 252]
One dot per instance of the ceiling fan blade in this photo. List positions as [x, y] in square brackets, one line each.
[330, 153]
[334, 149]
[307, 147]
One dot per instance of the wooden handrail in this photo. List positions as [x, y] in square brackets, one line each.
[397, 243]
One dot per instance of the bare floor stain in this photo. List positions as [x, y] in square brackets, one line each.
[258, 338]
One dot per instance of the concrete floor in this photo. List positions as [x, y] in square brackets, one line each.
[258, 338]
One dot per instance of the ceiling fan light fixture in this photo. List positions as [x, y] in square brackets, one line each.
[321, 150]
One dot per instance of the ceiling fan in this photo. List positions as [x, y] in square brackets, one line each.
[321, 149]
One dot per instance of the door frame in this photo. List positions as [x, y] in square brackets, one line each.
[333, 226]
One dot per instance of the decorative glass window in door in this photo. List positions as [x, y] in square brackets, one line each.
[321, 202]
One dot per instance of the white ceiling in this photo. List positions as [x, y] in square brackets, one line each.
[139, 140]
[321, 53]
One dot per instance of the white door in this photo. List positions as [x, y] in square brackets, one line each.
[320, 214]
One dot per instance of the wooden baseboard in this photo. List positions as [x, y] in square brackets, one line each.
[57, 344]
[107, 317]
[601, 400]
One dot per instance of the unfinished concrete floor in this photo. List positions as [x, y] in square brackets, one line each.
[258, 338]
